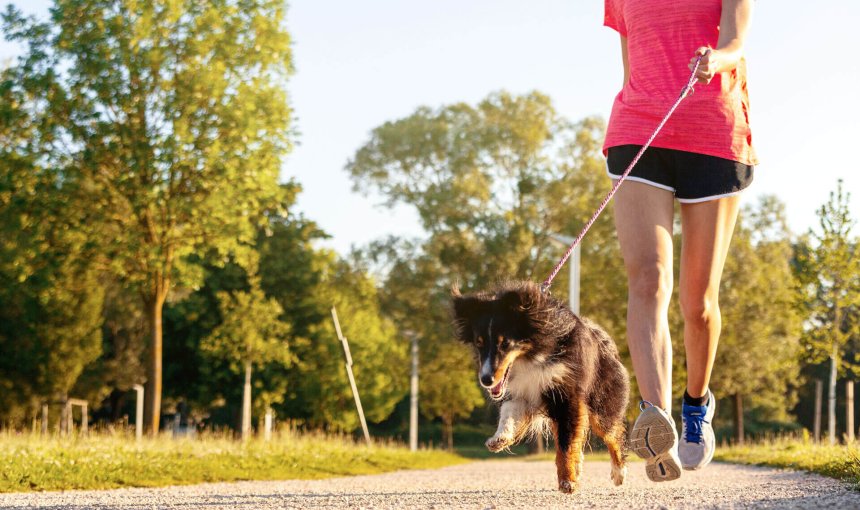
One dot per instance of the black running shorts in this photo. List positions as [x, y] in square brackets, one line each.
[692, 177]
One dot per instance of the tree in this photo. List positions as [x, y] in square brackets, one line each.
[172, 120]
[49, 286]
[828, 269]
[251, 334]
[490, 184]
[319, 391]
[757, 360]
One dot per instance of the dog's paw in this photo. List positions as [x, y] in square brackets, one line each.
[567, 486]
[498, 443]
[619, 474]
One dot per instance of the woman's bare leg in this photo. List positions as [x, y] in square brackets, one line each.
[643, 220]
[706, 233]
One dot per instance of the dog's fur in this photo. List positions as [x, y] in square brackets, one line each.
[543, 363]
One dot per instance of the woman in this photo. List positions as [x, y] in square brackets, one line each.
[704, 158]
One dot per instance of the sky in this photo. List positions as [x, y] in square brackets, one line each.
[362, 63]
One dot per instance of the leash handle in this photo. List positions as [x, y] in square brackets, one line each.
[688, 88]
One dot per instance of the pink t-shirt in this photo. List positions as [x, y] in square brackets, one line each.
[662, 36]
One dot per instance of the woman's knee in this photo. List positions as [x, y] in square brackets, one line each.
[650, 282]
[700, 309]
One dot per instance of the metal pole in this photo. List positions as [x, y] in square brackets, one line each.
[138, 415]
[574, 262]
[574, 279]
[348, 364]
[413, 397]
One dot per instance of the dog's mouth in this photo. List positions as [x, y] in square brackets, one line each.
[498, 391]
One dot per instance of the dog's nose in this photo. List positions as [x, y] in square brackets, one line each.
[487, 379]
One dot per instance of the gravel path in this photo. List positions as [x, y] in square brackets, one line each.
[480, 485]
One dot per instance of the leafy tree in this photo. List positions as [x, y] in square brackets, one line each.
[250, 335]
[171, 117]
[319, 393]
[490, 184]
[757, 360]
[828, 269]
[49, 285]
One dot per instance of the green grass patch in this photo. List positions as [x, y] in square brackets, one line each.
[839, 461]
[102, 461]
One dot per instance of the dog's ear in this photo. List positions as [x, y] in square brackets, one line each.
[465, 309]
[520, 305]
[517, 301]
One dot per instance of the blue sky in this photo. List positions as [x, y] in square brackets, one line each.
[361, 63]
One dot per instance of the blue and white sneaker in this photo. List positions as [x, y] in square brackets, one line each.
[655, 439]
[697, 435]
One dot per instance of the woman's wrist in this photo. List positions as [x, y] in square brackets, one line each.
[725, 60]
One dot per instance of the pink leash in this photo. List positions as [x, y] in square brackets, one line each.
[544, 287]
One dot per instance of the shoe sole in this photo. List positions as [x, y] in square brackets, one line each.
[652, 439]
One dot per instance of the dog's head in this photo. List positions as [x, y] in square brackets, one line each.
[501, 326]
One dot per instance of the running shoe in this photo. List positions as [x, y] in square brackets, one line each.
[697, 434]
[655, 439]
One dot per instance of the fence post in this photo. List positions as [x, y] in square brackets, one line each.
[819, 388]
[45, 419]
[138, 416]
[849, 410]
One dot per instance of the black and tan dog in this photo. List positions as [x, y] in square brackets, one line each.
[545, 364]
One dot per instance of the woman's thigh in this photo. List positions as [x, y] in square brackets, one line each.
[643, 221]
[706, 232]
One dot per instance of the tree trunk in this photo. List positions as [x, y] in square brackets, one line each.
[831, 400]
[739, 418]
[448, 423]
[155, 306]
[246, 403]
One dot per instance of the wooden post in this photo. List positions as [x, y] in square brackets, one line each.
[84, 420]
[45, 419]
[346, 353]
[413, 397]
[138, 416]
[267, 427]
[819, 389]
[246, 404]
[739, 418]
[831, 400]
[849, 410]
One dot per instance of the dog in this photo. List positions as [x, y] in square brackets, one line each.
[543, 363]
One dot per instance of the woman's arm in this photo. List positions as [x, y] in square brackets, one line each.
[734, 25]
[625, 60]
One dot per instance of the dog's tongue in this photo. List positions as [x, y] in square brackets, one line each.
[497, 389]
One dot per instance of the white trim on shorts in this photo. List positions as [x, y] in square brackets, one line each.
[640, 179]
[669, 188]
[712, 197]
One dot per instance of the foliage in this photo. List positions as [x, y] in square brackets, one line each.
[828, 268]
[103, 461]
[319, 393]
[172, 120]
[49, 285]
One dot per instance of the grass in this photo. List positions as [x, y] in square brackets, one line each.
[105, 461]
[839, 461]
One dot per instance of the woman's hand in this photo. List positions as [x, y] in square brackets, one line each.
[708, 66]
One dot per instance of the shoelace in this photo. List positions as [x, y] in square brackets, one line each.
[693, 426]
